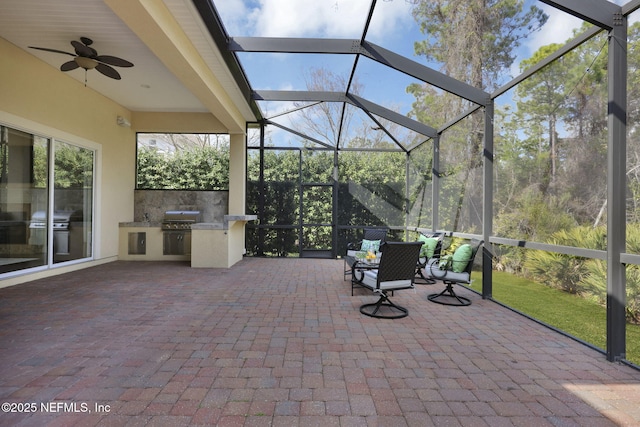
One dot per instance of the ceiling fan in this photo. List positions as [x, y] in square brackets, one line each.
[87, 57]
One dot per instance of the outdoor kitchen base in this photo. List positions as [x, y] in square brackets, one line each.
[212, 245]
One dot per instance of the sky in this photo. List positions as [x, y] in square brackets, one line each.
[392, 27]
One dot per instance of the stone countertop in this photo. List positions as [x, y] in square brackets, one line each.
[197, 226]
[229, 218]
[208, 226]
[140, 224]
[223, 225]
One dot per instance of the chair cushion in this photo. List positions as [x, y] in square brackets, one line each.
[433, 270]
[428, 245]
[396, 284]
[370, 280]
[370, 245]
[461, 258]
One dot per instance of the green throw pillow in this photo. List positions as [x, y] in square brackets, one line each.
[370, 245]
[445, 262]
[461, 258]
[428, 246]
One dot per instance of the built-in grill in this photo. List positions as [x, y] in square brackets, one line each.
[176, 226]
[179, 220]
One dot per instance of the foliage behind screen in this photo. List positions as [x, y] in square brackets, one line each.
[183, 162]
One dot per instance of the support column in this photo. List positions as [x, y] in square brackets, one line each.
[435, 188]
[216, 245]
[487, 204]
[616, 189]
[237, 174]
[237, 197]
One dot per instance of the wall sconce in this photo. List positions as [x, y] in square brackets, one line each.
[121, 121]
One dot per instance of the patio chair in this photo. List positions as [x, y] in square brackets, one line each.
[452, 270]
[432, 245]
[371, 240]
[397, 271]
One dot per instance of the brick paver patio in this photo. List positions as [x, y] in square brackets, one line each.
[280, 342]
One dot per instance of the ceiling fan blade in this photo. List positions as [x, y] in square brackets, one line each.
[108, 71]
[51, 50]
[82, 50]
[68, 66]
[113, 60]
[86, 40]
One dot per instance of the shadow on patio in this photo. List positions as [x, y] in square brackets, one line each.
[281, 342]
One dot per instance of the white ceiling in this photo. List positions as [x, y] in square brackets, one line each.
[149, 85]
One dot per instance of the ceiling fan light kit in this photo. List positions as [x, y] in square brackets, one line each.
[87, 58]
[86, 63]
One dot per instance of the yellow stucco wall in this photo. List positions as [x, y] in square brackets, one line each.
[40, 99]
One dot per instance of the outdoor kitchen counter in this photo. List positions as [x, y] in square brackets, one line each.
[143, 241]
[213, 244]
[218, 244]
[228, 220]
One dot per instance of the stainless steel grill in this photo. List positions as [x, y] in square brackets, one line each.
[61, 219]
[66, 237]
[176, 226]
[179, 220]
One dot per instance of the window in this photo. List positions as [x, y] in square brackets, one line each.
[182, 162]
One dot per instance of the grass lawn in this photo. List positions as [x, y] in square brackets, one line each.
[575, 315]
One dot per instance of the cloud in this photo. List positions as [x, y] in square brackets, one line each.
[558, 29]
[295, 18]
[320, 18]
[233, 14]
[391, 18]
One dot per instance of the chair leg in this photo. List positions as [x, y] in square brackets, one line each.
[421, 279]
[449, 297]
[389, 309]
[356, 279]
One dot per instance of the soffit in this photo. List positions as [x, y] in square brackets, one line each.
[149, 85]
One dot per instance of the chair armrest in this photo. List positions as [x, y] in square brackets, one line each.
[433, 269]
[354, 246]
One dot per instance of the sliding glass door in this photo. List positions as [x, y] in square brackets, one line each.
[72, 202]
[23, 191]
[41, 224]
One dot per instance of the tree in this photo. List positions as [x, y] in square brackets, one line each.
[73, 167]
[325, 120]
[633, 121]
[542, 98]
[474, 41]
[561, 115]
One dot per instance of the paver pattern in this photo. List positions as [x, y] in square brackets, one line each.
[280, 342]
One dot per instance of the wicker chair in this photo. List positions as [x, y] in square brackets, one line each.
[423, 260]
[397, 271]
[457, 271]
[370, 234]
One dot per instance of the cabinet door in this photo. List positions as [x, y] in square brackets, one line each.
[174, 243]
[137, 243]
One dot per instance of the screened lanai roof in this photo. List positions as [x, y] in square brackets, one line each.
[353, 60]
